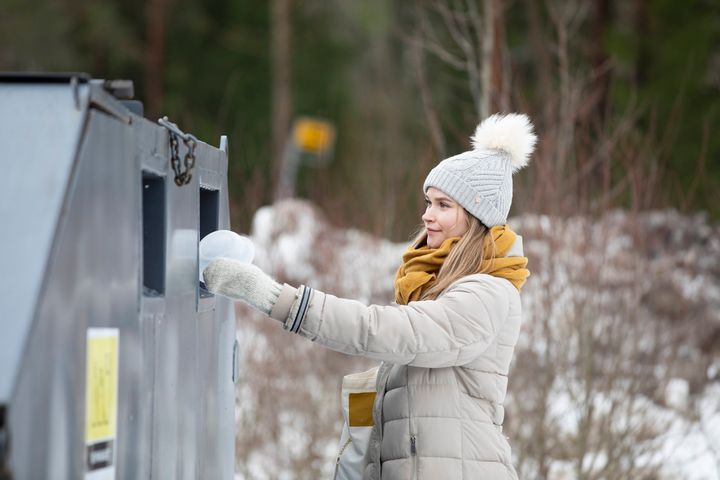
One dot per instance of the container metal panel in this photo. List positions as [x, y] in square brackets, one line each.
[91, 281]
[176, 392]
[40, 128]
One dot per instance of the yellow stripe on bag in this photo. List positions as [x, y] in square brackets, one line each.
[361, 408]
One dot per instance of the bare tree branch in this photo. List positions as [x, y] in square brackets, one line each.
[431, 114]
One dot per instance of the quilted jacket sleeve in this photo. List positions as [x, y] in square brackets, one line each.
[452, 330]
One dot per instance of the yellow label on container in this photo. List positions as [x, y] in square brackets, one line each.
[101, 384]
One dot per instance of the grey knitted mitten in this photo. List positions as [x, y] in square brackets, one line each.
[242, 281]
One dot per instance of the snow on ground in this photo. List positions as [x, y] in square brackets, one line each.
[690, 447]
[624, 288]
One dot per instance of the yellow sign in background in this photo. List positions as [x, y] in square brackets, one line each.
[313, 135]
[101, 384]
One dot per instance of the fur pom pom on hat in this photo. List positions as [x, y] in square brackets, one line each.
[481, 179]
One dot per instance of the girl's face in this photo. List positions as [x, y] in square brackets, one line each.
[443, 218]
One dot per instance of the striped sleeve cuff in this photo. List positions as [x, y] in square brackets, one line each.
[299, 309]
[292, 306]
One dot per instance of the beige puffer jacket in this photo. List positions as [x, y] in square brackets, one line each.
[444, 376]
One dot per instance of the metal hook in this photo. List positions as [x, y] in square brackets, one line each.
[187, 137]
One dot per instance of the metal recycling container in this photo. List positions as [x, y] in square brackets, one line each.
[114, 362]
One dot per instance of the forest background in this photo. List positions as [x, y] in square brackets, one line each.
[624, 94]
[618, 366]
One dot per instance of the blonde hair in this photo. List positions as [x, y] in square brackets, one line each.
[464, 259]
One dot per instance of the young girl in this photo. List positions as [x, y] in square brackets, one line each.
[447, 344]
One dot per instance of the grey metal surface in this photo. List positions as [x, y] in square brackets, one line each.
[39, 132]
[175, 392]
[91, 281]
[216, 334]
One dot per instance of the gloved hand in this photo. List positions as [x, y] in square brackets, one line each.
[242, 281]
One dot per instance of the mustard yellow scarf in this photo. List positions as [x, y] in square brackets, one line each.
[420, 266]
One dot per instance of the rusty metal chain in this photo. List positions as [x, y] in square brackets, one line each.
[183, 173]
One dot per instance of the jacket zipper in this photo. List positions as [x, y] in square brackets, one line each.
[337, 461]
[413, 440]
[413, 453]
[384, 376]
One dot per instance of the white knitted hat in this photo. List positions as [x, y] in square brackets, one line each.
[481, 180]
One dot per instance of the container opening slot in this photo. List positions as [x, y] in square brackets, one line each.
[209, 209]
[209, 203]
[153, 226]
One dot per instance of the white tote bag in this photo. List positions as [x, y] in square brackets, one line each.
[358, 397]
